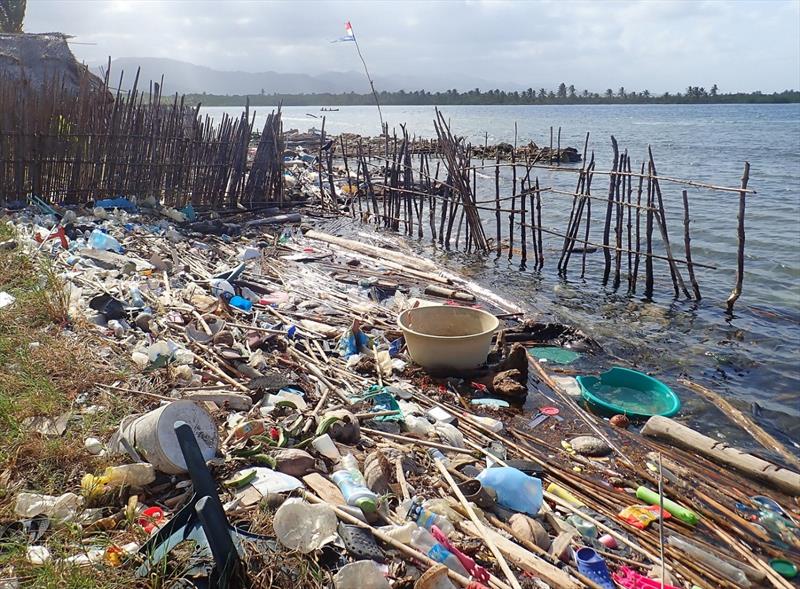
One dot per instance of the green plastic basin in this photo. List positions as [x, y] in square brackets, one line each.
[628, 392]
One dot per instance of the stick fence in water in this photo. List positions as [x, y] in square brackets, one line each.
[75, 146]
[629, 206]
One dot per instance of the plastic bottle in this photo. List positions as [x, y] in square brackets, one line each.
[350, 463]
[137, 300]
[400, 533]
[726, 569]
[515, 490]
[437, 454]
[778, 526]
[102, 241]
[413, 510]
[353, 485]
[682, 513]
[585, 528]
[133, 475]
[422, 540]
[418, 425]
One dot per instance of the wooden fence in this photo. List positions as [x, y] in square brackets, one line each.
[74, 147]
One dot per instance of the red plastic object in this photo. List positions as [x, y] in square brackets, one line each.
[474, 569]
[151, 518]
[57, 234]
[630, 579]
[549, 410]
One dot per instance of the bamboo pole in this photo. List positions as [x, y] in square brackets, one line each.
[482, 532]
[498, 228]
[661, 219]
[746, 423]
[648, 260]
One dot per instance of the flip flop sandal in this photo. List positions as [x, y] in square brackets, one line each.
[360, 543]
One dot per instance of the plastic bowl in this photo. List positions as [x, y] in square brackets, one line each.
[628, 392]
[446, 338]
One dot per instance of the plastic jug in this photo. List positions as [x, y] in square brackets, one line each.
[514, 489]
[102, 241]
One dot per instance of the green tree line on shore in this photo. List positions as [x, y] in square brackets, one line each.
[564, 94]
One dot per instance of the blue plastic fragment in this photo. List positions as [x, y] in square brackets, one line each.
[396, 346]
[189, 212]
[116, 203]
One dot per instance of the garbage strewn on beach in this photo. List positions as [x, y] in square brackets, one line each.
[281, 421]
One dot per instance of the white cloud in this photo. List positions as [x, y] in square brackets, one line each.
[655, 44]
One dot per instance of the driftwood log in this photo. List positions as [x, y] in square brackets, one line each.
[754, 467]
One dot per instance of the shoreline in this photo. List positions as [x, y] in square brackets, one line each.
[333, 289]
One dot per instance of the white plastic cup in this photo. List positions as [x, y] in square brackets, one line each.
[325, 446]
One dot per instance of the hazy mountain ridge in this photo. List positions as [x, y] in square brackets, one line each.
[184, 78]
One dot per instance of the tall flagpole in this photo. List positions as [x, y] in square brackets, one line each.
[366, 71]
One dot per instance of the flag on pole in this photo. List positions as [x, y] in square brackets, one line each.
[348, 34]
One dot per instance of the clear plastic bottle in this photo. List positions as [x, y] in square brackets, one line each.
[137, 300]
[350, 463]
[400, 533]
[413, 510]
[437, 454]
[135, 475]
[353, 485]
[422, 540]
[726, 569]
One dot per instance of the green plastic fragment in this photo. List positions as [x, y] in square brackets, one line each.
[554, 354]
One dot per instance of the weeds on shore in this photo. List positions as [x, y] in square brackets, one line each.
[46, 362]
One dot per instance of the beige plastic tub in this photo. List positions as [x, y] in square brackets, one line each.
[444, 337]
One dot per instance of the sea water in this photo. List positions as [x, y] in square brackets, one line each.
[751, 357]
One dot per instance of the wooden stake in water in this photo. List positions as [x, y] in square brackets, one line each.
[687, 240]
[497, 203]
[612, 184]
[737, 289]
[661, 519]
[648, 261]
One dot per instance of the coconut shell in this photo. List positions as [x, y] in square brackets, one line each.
[530, 529]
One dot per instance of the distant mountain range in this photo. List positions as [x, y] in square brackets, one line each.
[188, 78]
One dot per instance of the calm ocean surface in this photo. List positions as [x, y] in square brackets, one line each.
[752, 357]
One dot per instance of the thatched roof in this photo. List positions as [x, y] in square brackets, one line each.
[35, 59]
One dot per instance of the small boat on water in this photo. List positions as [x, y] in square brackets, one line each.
[326, 109]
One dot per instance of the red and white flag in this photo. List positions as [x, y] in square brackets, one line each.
[349, 36]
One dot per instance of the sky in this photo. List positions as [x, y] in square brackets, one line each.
[660, 45]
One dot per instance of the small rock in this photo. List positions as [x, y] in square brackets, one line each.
[295, 463]
[93, 446]
[590, 446]
[507, 384]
